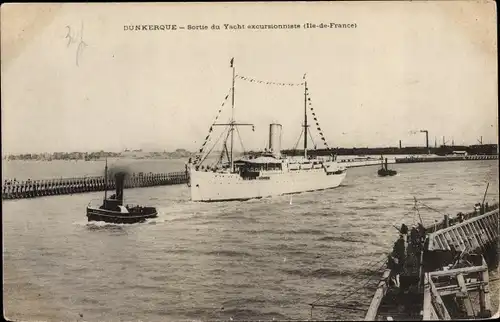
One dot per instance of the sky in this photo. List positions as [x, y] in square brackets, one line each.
[407, 66]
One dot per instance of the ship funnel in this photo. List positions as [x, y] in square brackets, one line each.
[275, 139]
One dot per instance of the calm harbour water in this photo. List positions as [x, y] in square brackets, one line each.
[259, 259]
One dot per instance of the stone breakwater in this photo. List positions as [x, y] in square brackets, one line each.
[415, 159]
[13, 189]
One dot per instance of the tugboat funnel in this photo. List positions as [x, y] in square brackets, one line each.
[119, 179]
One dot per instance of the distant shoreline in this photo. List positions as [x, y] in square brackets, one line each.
[483, 149]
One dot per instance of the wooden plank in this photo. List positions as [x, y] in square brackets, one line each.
[433, 316]
[466, 236]
[471, 227]
[444, 242]
[488, 227]
[484, 293]
[484, 231]
[377, 298]
[454, 289]
[455, 271]
[451, 239]
[491, 221]
[461, 244]
[438, 303]
[477, 234]
[428, 309]
[441, 241]
[465, 297]
[473, 237]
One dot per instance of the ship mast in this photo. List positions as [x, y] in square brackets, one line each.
[106, 180]
[232, 124]
[305, 118]
[232, 116]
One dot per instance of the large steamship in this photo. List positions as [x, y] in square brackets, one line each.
[266, 174]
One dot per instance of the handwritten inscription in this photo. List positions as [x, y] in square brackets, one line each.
[75, 40]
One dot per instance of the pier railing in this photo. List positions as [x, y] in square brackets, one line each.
[450, 221]
[39, 188]
[473, 233]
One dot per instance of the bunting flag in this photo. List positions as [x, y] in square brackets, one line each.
[253, 80]
[210, 130]
[317, 123]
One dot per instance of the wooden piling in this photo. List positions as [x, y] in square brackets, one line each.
[36, 188]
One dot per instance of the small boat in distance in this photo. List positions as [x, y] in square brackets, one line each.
[384, 171]
[112, 209]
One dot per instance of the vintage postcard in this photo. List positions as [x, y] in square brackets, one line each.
[232, 161]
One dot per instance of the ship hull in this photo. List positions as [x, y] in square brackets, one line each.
[210, 186]
[386, 173]
[96, 214]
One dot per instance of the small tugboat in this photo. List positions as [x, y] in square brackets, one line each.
[112, 209]
[383, 171]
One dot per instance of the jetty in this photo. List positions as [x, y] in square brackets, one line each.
[13, 189]
[436, 275]
[437, 158]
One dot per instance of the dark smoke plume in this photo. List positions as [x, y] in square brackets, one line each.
[119, 169]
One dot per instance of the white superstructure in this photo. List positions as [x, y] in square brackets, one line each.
[264, 175]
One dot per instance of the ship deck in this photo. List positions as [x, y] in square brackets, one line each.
[438, 293]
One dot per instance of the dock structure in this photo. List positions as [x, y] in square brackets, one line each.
[40, 188]
[472, 234]
[437, 279]
[418, 159]
[447, 292]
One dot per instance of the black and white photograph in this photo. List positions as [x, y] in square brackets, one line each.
[250, 161]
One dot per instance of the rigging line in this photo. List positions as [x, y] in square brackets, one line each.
[359, 288]
[300, 136]
[353, 278]
[219, 159]
[218, 139]
[430, 208]
[224, 149]
[311, 136]
[342, 307]
[254, 80]
[218, 113]
[241, 141]
[366, 281]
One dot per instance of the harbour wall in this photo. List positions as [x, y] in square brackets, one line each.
[482, 149]
[415, 159]
[40, 188]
